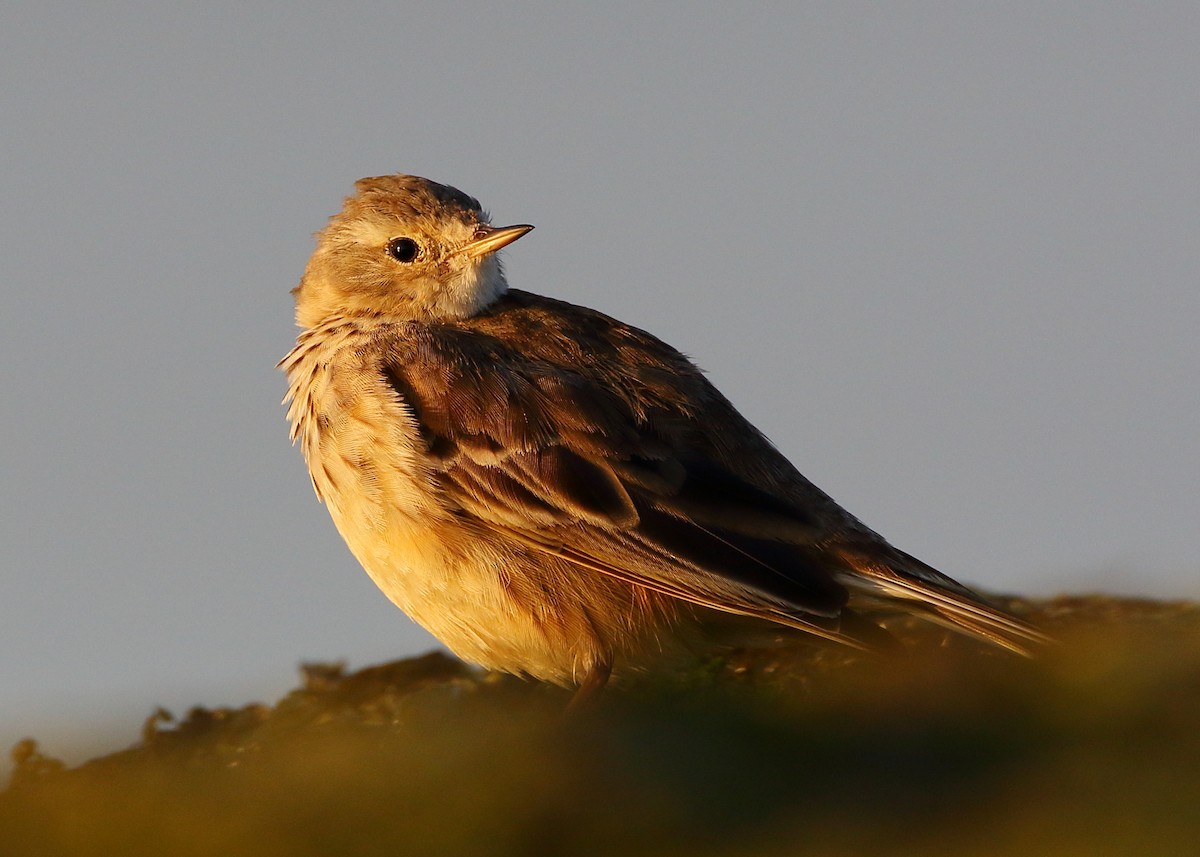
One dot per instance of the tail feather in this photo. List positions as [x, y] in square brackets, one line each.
[924, 590]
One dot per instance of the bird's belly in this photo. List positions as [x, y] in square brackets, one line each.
[475, 599]
[473, 593]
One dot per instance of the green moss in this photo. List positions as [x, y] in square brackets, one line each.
[949, 748]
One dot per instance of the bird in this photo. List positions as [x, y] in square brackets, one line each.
[547, 490]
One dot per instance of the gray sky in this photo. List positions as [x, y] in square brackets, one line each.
[945, 255]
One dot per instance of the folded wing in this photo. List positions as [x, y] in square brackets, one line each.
[583, 465]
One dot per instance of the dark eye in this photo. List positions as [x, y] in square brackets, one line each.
[403, 249]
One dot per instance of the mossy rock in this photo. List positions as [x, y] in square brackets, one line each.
[1092, 748]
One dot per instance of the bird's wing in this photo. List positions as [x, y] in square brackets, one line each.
[583, 471]
[601, 445]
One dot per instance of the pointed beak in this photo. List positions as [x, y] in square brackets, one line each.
[490, 239]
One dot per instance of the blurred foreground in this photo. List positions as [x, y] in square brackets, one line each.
[1092, 749]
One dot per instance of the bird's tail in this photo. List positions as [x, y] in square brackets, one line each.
[901, 580]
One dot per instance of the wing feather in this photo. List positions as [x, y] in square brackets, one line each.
[551, 457]
[594, 442]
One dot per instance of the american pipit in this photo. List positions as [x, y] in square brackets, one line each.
[545, 489]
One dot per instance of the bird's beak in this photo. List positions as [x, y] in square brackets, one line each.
[490, 239]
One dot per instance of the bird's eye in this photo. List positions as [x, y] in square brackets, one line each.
[403, 249]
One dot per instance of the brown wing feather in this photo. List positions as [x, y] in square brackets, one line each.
[544, 452]
[595, 442]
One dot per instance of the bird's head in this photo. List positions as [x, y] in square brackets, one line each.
[404, 248]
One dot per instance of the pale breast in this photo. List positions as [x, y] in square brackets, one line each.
[364, 453]
[485, 598]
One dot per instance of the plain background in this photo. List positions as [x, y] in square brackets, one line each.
[945, 255]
